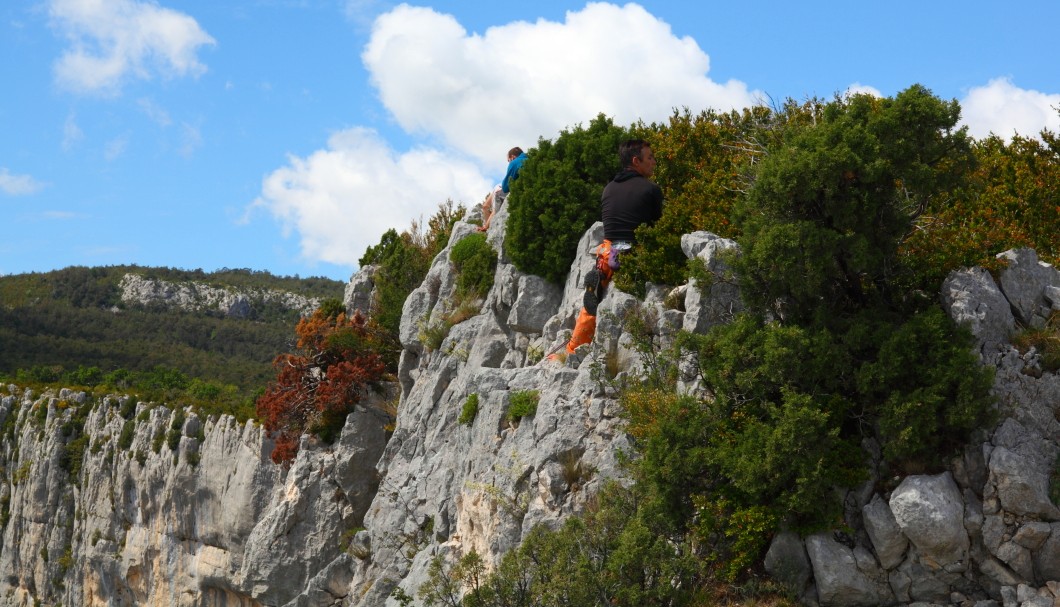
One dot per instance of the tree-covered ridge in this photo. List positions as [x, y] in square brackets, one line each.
[99, 286]
[71, 324]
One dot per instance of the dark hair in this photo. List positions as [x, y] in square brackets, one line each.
[630, 149]
[516, 151]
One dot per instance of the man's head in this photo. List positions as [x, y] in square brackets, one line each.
[514, 153]
[636, 155]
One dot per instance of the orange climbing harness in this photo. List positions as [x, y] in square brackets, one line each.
[607, 255]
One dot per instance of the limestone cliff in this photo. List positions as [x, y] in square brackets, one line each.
[110, 502]
[197, 297]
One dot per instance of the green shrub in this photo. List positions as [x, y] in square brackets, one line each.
[403, 261]
[557, 197]
[401, 268]
[612, 554]
[332, 307]
[128, 433]
[475, 262]
[929, 388]
[522, 403]
[176, 426]
[469, 410]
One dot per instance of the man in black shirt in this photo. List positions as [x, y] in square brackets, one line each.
[629, 201]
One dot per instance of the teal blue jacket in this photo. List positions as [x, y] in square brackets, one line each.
[513, 171]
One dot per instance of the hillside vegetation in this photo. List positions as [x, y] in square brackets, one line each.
[71, 326]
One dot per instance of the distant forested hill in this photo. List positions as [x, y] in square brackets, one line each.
[59, 322]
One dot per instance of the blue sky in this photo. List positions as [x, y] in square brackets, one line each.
[288, 135]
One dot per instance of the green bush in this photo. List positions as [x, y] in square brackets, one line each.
[557, 197]
[475, 262]
[833, 349]
[469, 410]
[401, 268]
[128, 433]
[612, 554]
[402, 262]
[522, 403]
[176, 427]
[700, 164]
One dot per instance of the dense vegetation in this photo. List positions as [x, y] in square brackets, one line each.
[70, 326]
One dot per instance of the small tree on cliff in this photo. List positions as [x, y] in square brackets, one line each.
[317, 386]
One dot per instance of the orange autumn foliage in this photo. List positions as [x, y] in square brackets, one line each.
[317, 386]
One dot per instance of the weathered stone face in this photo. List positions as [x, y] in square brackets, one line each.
[193, 296]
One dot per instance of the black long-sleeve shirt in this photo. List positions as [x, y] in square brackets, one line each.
[628, 201]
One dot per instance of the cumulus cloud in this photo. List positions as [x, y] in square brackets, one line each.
[473, 97]
[342, 199]
[862, 89]
[113, 40]
[18, 185]
[1003, 109]
[482, 94]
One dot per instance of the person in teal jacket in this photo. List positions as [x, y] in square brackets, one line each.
[494, 200]
[516, 158]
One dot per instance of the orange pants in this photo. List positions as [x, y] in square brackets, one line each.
[585, 325]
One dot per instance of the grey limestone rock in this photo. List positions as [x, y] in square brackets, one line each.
[360, 291]
[883, 530]
[841, 579]
[786, 561]
[716, 303]
[972, 298]
[930, 512]
[196, 296]
[1024, 281]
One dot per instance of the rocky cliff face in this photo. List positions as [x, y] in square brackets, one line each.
[107, 502]
[197, 297]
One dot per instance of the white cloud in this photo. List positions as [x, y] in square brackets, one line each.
[474, 97]
[482, 94]
[1002, 108]
[862, 89]
[18, 185]
[342, 199]
[112, 40]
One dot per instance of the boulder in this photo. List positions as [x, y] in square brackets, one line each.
[360, 291]
[786, 561]
[973, 299]
[716, 303]
[930, 512]
[1024, 281]
[883, 530]
[841, 579]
